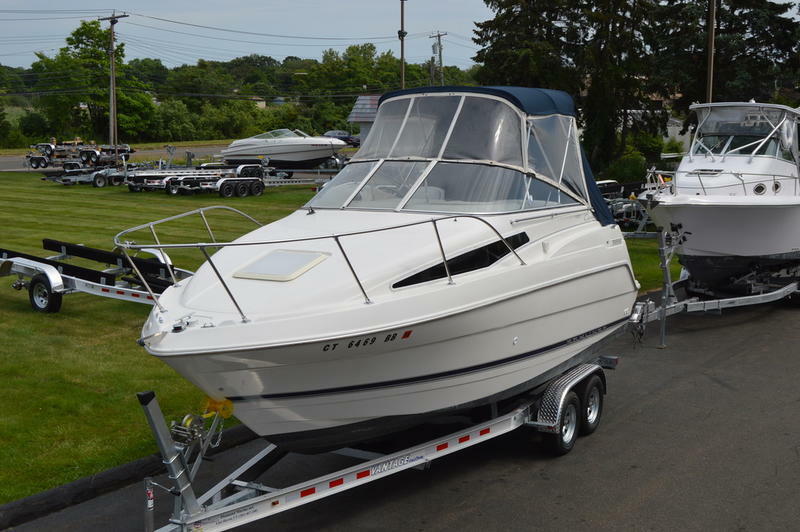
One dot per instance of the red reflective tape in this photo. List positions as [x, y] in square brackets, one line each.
[362, 474]
[120, 292]
[134, 294]
[462, 439]
[442, 446]
[105, 290]
[275, 503]
[337, 482]
[308, 491]
[484, 431]
[407, 334]
[150, 298]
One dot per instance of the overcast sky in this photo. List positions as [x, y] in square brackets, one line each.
[311, 26]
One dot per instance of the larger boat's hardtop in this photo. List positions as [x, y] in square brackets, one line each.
[479, 150]
[746, 128]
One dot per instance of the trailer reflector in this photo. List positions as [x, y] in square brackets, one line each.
[308, 491]
[463, 439]
[442, 446]
[485, 431]
[337, 482]
[362, 474]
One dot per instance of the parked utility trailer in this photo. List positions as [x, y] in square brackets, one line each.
[97, 177]
[75, 154]
[48, 279]
[228, 181]
[568, 404]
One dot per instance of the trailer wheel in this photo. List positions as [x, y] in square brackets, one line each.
[84, 156]
[42, 163]
[48, 150]
[257, 188]
[226, 190]
[94, 156]
[99, 181]
[41, 295]
[116, 181]
[242, 189]
[591, 405]
[172, 190]
[563, 441]
[34, 163]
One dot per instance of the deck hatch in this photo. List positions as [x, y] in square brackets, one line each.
[281, 265]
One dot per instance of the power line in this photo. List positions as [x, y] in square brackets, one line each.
[216, 28]
[251, 42]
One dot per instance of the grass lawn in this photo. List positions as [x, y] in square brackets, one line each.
[70, 378]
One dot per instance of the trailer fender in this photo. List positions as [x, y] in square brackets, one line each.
[30, 268]
[548, 418]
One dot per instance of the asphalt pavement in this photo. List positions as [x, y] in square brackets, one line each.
[702, 435]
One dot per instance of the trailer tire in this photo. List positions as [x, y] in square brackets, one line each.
[592, 391]
[99, 181]
[41, 295]
[242, 190]
[42, 163]
[48, 150]
[94, 156]
[116, 181]
[563, 441]
[226, 190]
[172, 190]
[34, 163]
[84, 156]
[257, 188]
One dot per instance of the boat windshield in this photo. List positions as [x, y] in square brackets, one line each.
[280, 133]
[460, 153]
[438, 186]
[746, 130]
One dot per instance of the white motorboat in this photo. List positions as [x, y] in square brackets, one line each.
[463, 256]
[285, 148]
[735, 195]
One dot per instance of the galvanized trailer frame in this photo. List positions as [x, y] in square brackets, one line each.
[233, 502]
[761, 289]
[48, 279]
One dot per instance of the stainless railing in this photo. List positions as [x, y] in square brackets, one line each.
[125, 245]
[655, 179]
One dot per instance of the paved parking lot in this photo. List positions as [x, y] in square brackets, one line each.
[703, 435]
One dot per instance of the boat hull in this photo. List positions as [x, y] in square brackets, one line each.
[291, 156]
[347, 390]
[725, 239]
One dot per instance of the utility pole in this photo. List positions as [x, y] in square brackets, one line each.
[711, 28]
[402, 36]
[438, 47]
[112, 85]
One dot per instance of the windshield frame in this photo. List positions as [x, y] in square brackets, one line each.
[525, 128]
[706, 111]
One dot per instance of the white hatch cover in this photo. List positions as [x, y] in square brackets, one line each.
[281, 265]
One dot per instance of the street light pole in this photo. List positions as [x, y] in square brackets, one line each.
[402, 36]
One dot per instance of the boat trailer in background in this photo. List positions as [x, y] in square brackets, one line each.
[756, 288]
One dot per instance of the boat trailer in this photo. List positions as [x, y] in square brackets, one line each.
[237, 499]
[51, 278]
[759, 288]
